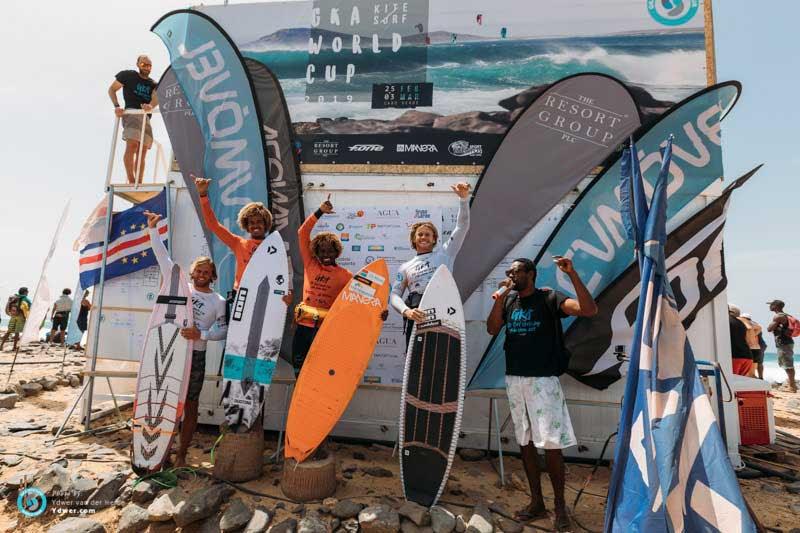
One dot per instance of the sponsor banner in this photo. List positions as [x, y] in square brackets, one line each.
[437, 148]
[381, 232]
[219, 91]
[562, 135]
[592, 232]
[696, 273]
[361, 68]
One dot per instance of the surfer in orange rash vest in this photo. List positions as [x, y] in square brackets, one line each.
[323, 280]
[254, 218]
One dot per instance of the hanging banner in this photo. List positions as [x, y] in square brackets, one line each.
[563, 134]
[592, 233]
[696, 273]
[441, 82]
[219, 91]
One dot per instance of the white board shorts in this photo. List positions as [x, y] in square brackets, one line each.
[539, 411]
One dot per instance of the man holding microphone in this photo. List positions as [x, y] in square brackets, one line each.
[535, 357]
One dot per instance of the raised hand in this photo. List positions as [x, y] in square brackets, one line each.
[461, 189]
[201, 184]
[152, 219]
[564, 264]
[327, 207]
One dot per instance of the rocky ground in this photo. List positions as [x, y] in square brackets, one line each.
[472, 121]
[92, 488]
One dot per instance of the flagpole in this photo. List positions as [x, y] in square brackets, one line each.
[99, 311]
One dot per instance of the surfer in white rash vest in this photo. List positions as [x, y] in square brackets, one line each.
[415, 274]
[209, 325]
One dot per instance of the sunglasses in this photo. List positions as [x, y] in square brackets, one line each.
[515, 271]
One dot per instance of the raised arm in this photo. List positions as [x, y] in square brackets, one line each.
[165, 263]
[304, 232]
[453, 245]
[585, 305]
[230, 239]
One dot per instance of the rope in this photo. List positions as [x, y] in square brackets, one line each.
[168, 479]
[216, 442]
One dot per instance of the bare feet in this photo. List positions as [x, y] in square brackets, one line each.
[562, 521]
[180, 460]
[534, 511]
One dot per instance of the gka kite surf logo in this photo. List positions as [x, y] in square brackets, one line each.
[672, 12]
[464, 149]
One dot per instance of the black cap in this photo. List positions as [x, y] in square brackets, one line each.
[779, 303]
[23, 290]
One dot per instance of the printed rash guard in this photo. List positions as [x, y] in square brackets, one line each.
[321, 284]
[415, 274]
[208, 308]
[243, 249]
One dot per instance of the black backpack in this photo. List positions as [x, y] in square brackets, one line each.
[562, 363]
[13, 305]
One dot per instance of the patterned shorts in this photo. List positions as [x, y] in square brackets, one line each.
[196, 376]
[539, 411]
[786, 356]
[16, 324]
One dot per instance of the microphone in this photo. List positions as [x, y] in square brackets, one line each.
[499, 292]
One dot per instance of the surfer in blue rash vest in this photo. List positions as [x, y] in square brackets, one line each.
[414, 275]
[209, 325]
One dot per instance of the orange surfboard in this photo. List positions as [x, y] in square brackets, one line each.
[337, 360]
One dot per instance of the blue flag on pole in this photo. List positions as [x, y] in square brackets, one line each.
[671, 467]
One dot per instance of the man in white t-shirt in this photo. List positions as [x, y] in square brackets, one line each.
[60, 316]
[209, 325]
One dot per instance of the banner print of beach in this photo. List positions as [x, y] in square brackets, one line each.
[441, 82]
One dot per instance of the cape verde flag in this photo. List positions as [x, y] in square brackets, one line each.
[129, 243]
[671, 467]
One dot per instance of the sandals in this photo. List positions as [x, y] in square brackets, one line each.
[529, 515]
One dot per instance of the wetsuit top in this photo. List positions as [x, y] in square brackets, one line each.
[321, 284]
[208, 307]
[415, 274]
[242, 248]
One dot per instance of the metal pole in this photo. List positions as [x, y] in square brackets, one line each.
[137, 175]
[499, 445]
[74, 405]
[99, 311]
[489, 433]
[169, 218]
[112, 152]
[16, 352]
[114, 397]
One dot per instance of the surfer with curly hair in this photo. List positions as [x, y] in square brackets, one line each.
[208, 310]
[254, 218]
[323, 280]
[413, 275]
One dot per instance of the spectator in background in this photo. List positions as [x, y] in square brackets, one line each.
[753, 335]
[17, 307]
[742, 357]
[60, 316]
[83, 318]
[784, 342]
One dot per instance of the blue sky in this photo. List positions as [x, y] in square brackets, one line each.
[57, 120]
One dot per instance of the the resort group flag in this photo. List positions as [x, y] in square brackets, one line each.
[591, 233]
[129, 243]
[671, 468]
[219, 91]
[696, 272]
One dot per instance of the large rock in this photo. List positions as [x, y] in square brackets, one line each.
[379, 519]
[236, 516]
[144, 491]
[377, 471]
[199, 505]
[793, 488]
[471, 454]
[347, 509]
[49, 383]
[442, 520]
[259, 522]
[132, 519]
[107, 490]
[77, 525]
[509, 526]
[416, 513]
[287, 526]
[311, 523]
[21, 479]
[7, 401]
[163, 508]
[31, 389]
[54, 478]
[461, 524]
[80, 488]
[481, 520]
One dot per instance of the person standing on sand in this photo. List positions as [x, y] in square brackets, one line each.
[784, 342]
[139, 92]
[83, 318]
[753, 336]
[741, 356]
[17, 307]
[60, 316]
[208, 310]
[535, 357]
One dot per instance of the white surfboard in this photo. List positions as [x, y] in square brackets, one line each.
[432, 397]
[255, 333]
[163, 375]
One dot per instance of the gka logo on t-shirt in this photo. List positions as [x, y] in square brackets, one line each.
[672, 12]
[143, 91]
[521, 322]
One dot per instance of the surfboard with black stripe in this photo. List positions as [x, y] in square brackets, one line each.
[432, 399]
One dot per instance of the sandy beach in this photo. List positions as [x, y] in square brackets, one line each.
[367, 474]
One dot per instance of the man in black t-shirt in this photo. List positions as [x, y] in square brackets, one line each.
[784, 343]
[535, 357]
[139, 92]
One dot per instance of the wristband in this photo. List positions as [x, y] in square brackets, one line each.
[116, 105]
[318, 213]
